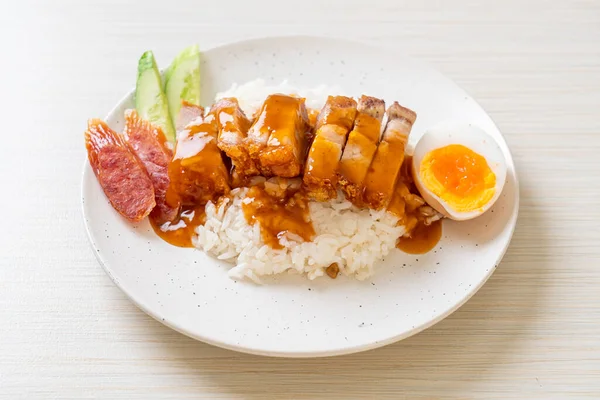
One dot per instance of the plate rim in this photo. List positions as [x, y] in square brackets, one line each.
[87, 170]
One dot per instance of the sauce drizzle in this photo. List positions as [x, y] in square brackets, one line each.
[285, 215]
[181, 232]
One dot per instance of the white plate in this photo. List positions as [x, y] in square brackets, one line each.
[190, 292]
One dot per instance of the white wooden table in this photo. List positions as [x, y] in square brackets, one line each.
[533, 331]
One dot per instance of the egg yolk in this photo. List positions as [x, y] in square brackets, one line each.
[459, 176]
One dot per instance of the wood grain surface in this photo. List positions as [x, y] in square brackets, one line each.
[533, 331]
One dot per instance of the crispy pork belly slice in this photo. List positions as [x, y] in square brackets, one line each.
[338, 110]
[197, 172]
[187, 113]
[333, 124]
[277, 141]
[360, 148]
[233, 130]
[259, 132]
[383, 171]
[312, 118]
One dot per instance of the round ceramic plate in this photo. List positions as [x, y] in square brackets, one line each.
[294, 317]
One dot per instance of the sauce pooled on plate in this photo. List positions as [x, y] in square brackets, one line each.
[422, 235]
[180, 233]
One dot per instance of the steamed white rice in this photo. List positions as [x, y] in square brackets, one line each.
[354, 239]
[251, 94]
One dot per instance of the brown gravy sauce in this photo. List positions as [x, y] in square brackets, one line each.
[278, 215]
[420, 237]
[423, 238]
[180, 232]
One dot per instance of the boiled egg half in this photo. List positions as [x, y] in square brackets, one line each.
[459, 170]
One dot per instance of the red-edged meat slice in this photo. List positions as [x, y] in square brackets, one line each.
[122, 177]
[187, 113]
[148, 143]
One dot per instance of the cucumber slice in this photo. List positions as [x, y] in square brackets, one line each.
[150, 101]
[182, 80]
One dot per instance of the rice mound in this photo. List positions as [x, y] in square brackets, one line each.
[354, 239]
